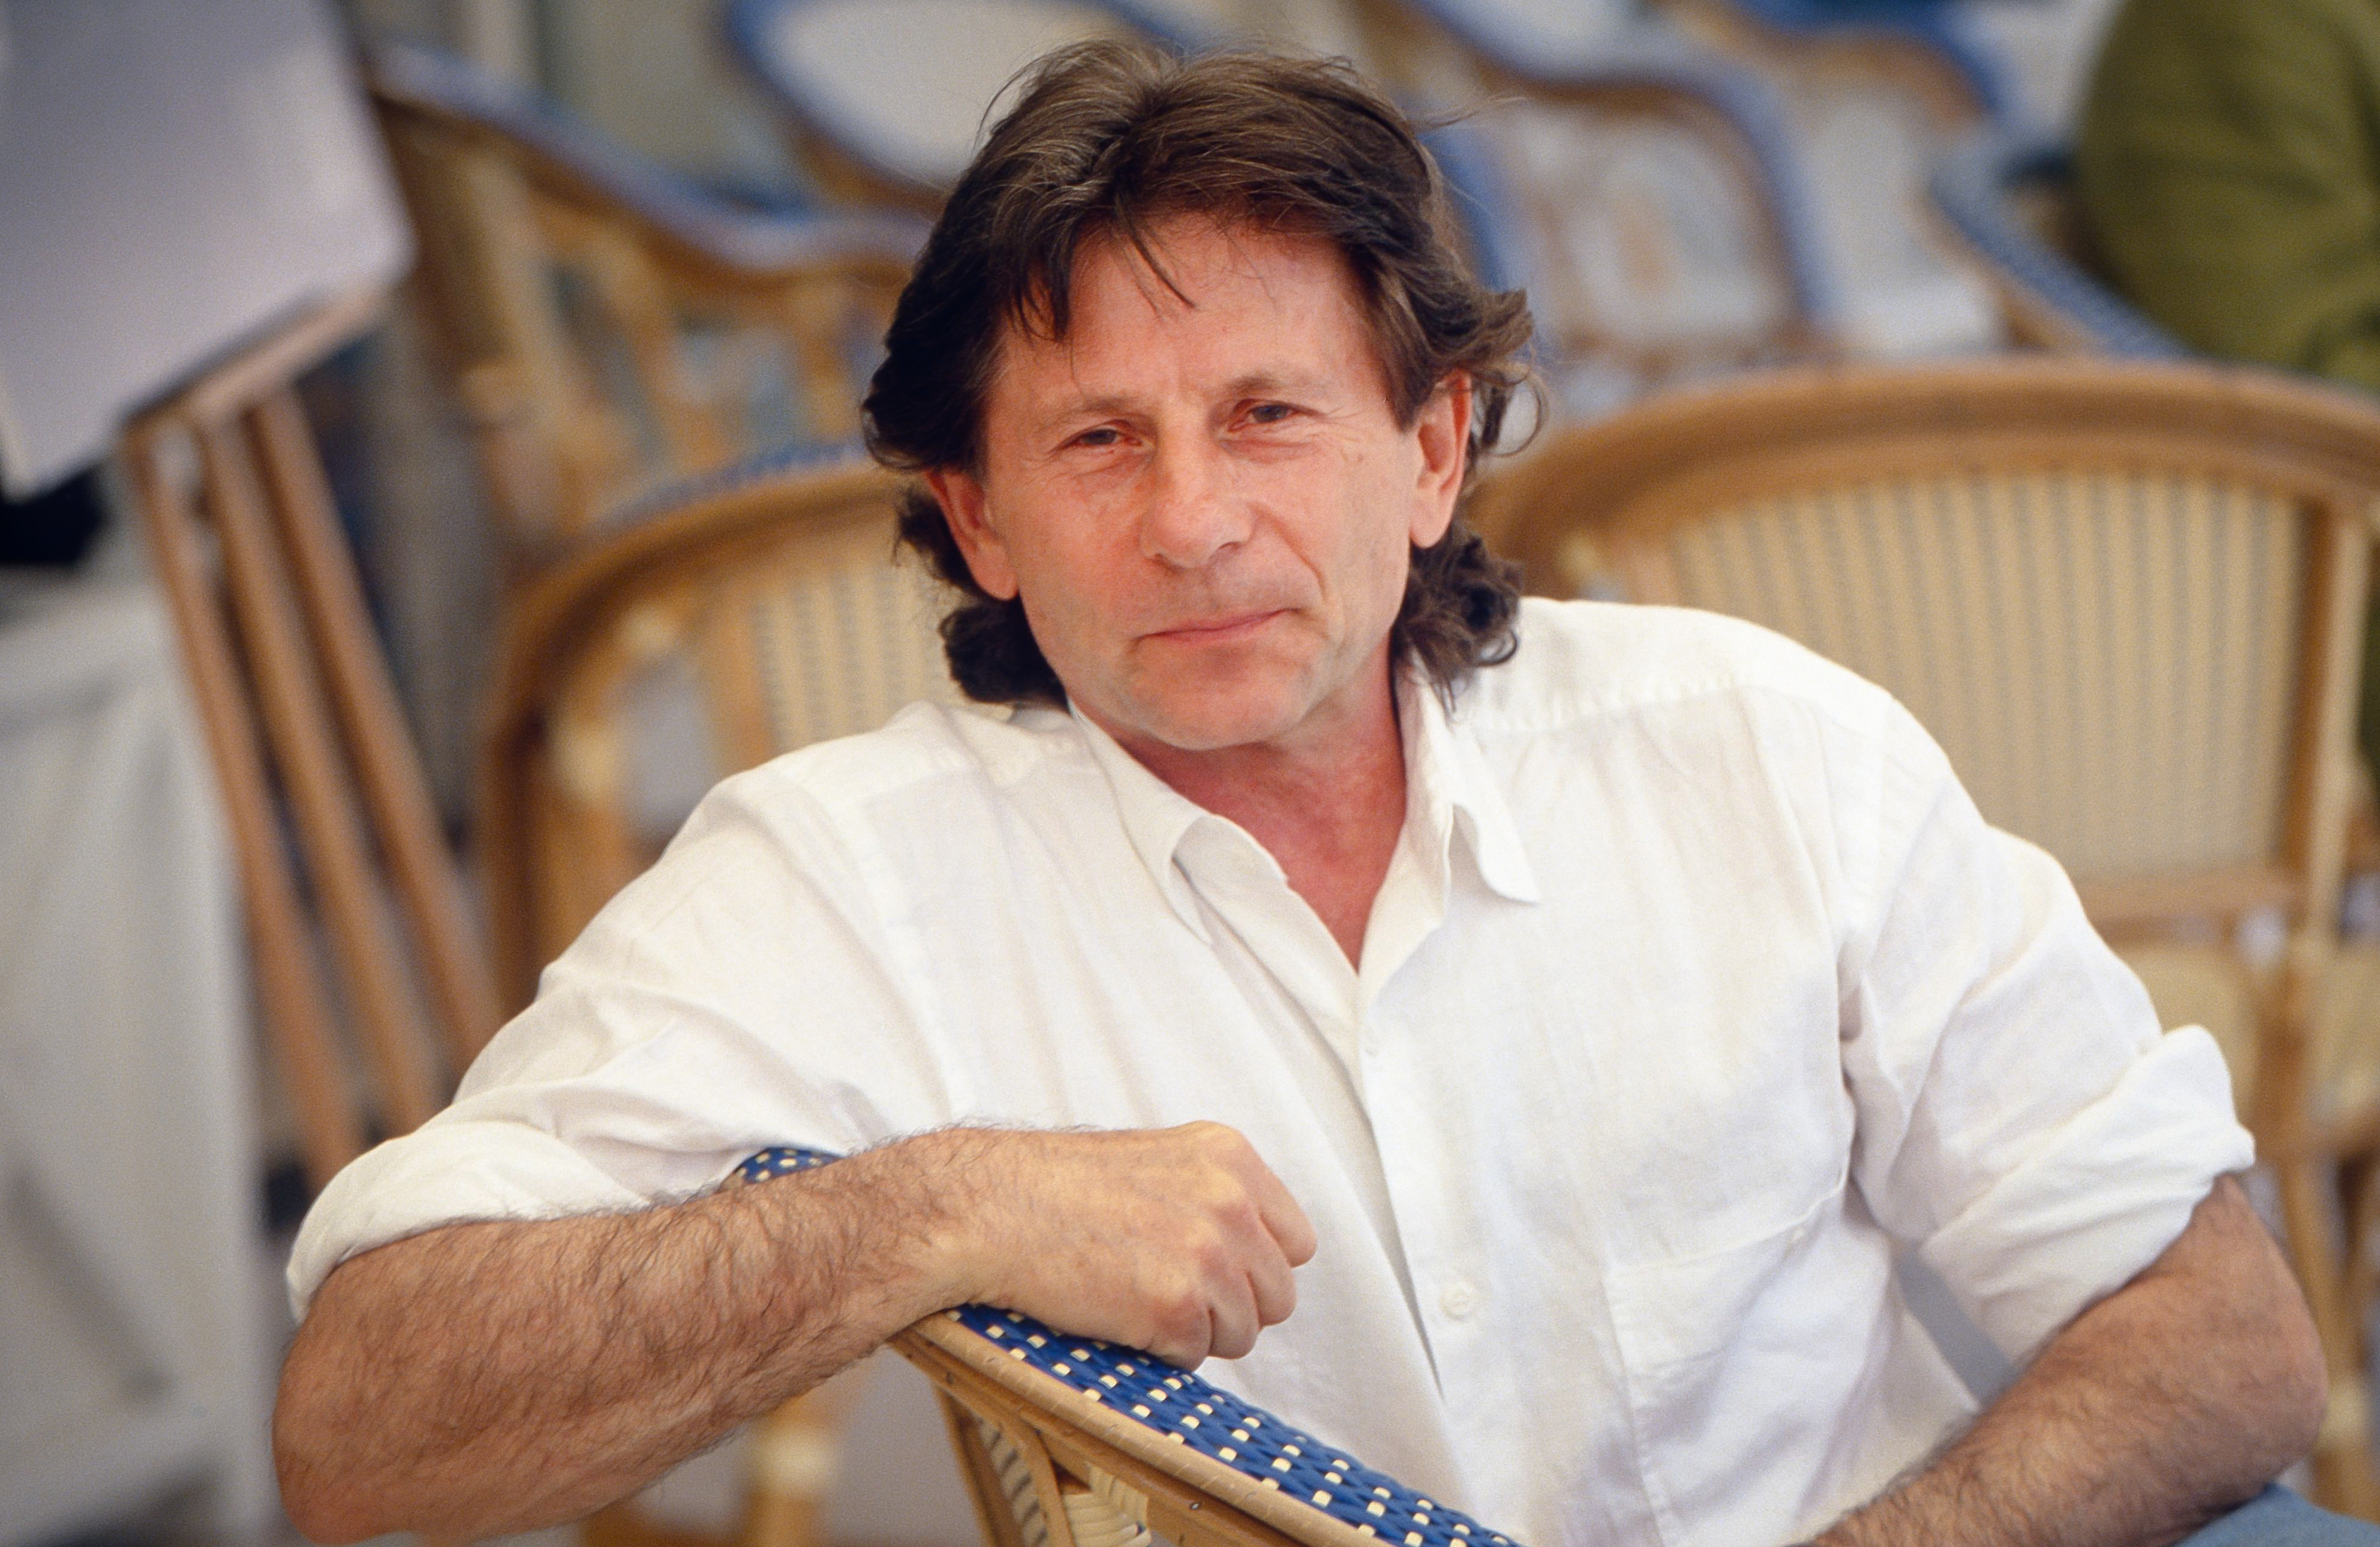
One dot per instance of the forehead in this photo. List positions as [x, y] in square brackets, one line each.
[1209, 304]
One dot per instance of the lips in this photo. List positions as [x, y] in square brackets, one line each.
[1217, 629]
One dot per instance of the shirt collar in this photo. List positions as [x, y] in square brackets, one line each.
[1449, 791]
[1156, 817]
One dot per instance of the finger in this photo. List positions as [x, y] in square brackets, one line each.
[1272, 1287]
[1185, 1343]
[1231, 1318]
[1283, 1219]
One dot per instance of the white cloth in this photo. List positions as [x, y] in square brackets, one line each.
[1695, 984]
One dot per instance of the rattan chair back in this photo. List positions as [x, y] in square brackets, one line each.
[737, 617]
[609, 326]
[1648, 198]
[2128, 600]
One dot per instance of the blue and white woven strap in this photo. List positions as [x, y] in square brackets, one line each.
[1195, 1413]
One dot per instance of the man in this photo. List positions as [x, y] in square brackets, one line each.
[1594, 997]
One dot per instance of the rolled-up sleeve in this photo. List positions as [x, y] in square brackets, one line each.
[713, 1008]
[2022, 1121]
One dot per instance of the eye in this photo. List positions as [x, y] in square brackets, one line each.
[1099, 437]
[1270, 413]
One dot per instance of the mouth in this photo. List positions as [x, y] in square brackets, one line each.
[1223, 628]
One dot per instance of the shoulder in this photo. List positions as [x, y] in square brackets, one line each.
[926, 755]
[1585, 663]
[934, 780]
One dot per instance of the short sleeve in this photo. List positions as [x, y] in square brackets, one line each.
[734, 998]
[2022, 1120]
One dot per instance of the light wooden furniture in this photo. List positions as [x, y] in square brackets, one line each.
[2007, 200]
[1873, 102]
[2129, 601]
[610, 325]
[756, 611]
[1927, 65]
[1048, 1468]
[300, 719]
[884, 100]
[1648, 197]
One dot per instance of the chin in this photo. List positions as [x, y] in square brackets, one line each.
[1213, 726]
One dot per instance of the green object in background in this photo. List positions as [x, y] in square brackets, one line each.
[2229, 164]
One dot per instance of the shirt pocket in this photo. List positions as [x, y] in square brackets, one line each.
[1734, 1358]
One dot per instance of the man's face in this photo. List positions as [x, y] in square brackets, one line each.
[1207, 505]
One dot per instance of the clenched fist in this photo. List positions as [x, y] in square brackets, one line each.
[1177, 1240]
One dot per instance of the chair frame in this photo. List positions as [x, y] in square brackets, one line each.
[1595, 500]
[503, 191]
[1958, 83]
[297, 702]
[1637, 75]
[1069, 1446]
[531, 827]
[844, 169]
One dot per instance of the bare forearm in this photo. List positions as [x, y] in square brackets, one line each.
[488, 1378]
[2174, 1399]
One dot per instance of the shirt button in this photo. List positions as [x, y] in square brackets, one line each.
[1458, 1300]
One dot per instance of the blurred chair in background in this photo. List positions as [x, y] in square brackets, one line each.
[2128, 600]
[300, 716]
[739, 615]
[736, 617]
[1649, 198]
[2008, 197]
[610, 325]
[1874, 94]
[885, 100]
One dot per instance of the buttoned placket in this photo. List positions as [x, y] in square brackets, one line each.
[1351, 1007]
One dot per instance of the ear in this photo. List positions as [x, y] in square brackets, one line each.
[961, 496]
[1443, 431]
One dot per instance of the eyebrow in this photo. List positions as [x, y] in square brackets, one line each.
[1255, 384]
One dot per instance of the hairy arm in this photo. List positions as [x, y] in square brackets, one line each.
[2174, 1399]
[489, 1377]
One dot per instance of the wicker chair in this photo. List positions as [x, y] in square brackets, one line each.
[342, 861]
[1069, 1441]
[1648, 197]
[735, 616]
[2007, 197]
[2128, 600]
[1873, 103]
[884, 101]
[610, 325]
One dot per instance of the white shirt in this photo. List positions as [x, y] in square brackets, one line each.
[1696, 984]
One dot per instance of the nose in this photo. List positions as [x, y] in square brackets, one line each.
[1192, 513]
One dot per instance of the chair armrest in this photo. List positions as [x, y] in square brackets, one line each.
[1088, 1396]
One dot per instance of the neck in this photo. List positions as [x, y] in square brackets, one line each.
[1330, 808]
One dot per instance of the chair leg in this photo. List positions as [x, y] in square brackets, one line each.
[290, 983]
[796, 1452]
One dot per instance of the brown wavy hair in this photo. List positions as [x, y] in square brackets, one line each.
[1109, 139]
